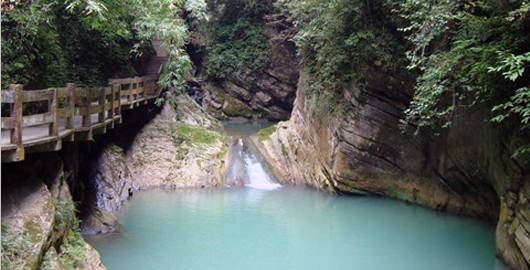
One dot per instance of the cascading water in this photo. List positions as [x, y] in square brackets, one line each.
[287, 228]
[246, 168]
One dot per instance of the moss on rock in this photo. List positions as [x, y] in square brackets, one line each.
[194, 135]
[234, 108]
[265, 133]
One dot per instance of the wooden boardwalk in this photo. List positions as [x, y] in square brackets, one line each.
[40, 120]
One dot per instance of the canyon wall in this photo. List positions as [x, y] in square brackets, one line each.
[174, 147]
[39, 224]
[267, 93]
[51, 198]
[362, 150]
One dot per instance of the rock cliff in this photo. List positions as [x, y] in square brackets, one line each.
[175, 148]
[39, 224]
[361, 150]
[268, 93]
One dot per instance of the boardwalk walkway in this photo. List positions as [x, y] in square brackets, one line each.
[40, 120]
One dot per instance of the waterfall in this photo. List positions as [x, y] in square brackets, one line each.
[246, 168]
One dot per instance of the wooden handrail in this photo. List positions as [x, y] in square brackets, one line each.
[65, 104]
[16, 114]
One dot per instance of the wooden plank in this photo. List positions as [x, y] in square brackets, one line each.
[81, 92]
[63, 113]
[54, 125]
[8, 96]
[118, 101]
[8, 122]
[105, 101]
[110, 110]
[63, 92]
[108, 91]
[96, 109]
[38, 95]
[71, 105]
[101, 104]
[85, 112]
[37, 119]
[16, 113]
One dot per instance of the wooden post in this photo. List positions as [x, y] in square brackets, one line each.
[118, 109]
[112, 102]
[87, 103]
[101, 103]
[52, 108]
[16, 113]
[70, 118]
[129, 96]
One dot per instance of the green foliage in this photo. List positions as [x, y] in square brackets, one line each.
[65, 215]
[240, 48]
[163, 18]
[463, 54]
[468, 53]
[238, 42]
[194, 135]
[12, 246]
[72, 250]
[265, 133]
[29, 39]
[47, 43]
[340, 40]
[454, 46]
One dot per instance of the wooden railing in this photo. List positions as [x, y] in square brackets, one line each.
[39, 120]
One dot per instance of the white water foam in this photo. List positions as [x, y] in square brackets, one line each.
[258, 178]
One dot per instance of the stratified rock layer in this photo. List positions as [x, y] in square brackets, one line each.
[270, 92]
[467, 170]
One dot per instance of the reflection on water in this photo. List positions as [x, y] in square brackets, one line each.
[290, 228]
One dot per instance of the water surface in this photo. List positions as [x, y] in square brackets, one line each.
[290, 228]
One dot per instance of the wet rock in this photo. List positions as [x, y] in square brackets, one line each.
[362, 150]
[100, 221]
[91, 260]
[112, 178]
[39, 215]
[233, 107]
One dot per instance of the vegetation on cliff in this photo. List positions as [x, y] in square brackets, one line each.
[190, 134]
[238, 42]
[463, 54]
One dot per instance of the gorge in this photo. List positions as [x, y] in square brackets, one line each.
[306, 134]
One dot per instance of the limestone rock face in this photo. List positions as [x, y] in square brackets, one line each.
[362, 151]
[28, 214]
[169, 151]
[156, 160]
[38, 214]
[100, 221]
[269, 92]
[113, 179]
